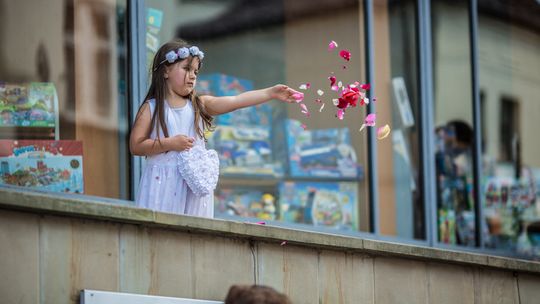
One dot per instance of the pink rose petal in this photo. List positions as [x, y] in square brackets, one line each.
[283, 243]
[335, 88]
[298, 96]
[365, 86]
[332, 80]
[332, 45]
[340, 113]
[260, 223]
[345, 54]
[370, 119]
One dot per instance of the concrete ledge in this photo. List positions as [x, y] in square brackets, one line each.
[119, 211]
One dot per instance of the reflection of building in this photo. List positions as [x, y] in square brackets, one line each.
[4, 168]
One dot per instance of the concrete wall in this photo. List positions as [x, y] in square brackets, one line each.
[51, 247]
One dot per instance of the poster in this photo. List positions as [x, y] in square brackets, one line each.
[52, 165]
[245, 202]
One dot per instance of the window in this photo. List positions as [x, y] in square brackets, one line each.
[62, 95]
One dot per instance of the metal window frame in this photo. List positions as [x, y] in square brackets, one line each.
[137, 78]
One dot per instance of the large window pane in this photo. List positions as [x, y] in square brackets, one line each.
[63, 96]
[401, 208]
[509, 62]
[453, 122]
[273, 169]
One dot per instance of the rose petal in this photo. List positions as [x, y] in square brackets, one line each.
[260, 223]
[303, 106]
[340, 84]
[298, 96]
[303, 87]
[318, 100]
[304, 126]
[365, 86]
[335, 88]
[321, 108]
[340, 113]
[332, 45]
[370, 119]
[332, 80]
[362, 127]
[283, 243]
[382, 132]
[335, 101]
[320, 92]
[345, 54]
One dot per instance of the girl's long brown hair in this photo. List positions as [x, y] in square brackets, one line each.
[158, 91]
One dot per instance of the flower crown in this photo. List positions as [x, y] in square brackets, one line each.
[181, 53]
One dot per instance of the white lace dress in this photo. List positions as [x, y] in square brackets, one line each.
[162, 187]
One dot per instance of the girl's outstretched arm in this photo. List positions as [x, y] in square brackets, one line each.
[226, 104]
[140, 144]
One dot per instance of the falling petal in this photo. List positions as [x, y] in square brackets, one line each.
[303, 87]
[332, 80]
[260, 223]
[345, 54]
[318, 100]
[335, 88]
[335, 101]
[382, 132]
[362, 127]
[304, 126]
[320, 92]
[332, 45]
[321, 108]
[370, 119]
[306, 113]
[340, 84]
[303, 106]
[365, 100]
[365, 86]
[340, 113]
[283, 243]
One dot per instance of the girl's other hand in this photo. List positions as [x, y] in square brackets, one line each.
[181, 142]
[283, 93]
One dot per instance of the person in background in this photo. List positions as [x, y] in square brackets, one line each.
[255, 294]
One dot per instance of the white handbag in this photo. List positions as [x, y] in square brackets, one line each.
[200, 169]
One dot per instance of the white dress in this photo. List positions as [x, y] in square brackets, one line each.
[162, 187]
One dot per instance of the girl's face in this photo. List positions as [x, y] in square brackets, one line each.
[181, 77]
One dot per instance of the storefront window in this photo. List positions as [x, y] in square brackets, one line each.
[63, 96]
[509, 73]
[401, 208]
[278, 164]
[453, 112]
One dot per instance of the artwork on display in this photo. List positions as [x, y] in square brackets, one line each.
[32, 104]
[327, 204]
[243, 138]
[320, 153]
[245, 202]
[52, 165]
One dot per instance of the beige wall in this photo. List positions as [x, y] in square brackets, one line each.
[49, 259]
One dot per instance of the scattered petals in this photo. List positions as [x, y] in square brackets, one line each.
[283, 243]
[320, 92]
[382, 132]
[260, 223]
[365, 86]
[321, 108]
[304, 86]
[332, 45]
[340, 113]
[345, 54]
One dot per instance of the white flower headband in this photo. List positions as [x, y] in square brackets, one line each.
[181, 53]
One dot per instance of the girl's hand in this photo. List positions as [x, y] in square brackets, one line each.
[181, 142]
[283, 93]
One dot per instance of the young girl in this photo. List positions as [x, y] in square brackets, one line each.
[174, 118]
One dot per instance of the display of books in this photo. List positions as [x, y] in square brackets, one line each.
[52, 165]
[320, 153]
[328, 204]
[28, 105]
[245, 203]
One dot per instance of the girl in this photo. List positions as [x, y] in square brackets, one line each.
[174, 118]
